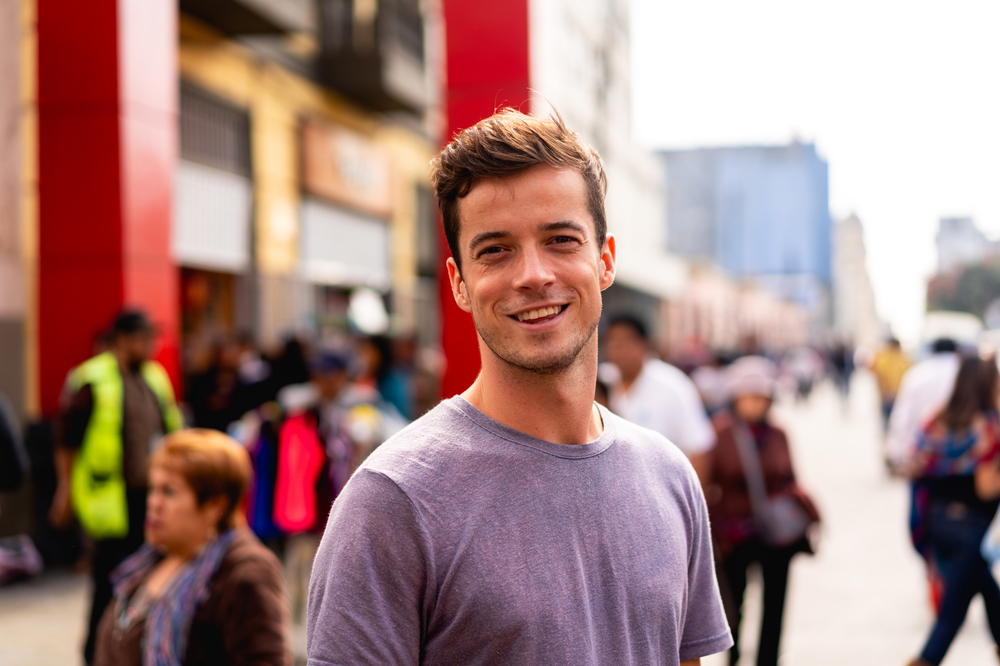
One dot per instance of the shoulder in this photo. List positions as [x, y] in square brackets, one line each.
[93, 369]
[670, 378]
[247, 561]
[424, 447]
[647, 444]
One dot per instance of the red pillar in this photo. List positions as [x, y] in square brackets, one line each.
[107, 135]
[488, 66]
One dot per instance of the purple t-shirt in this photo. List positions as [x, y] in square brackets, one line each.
[463, 541]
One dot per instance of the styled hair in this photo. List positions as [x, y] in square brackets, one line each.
[637, 325]
[506, 143]
[213, 464]
[975, 392]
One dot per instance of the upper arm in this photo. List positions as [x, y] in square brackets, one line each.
[698, 432]
[366, 594]
[77, 407]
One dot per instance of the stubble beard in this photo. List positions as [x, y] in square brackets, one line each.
[548, 365]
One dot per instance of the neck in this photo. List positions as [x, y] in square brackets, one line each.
[187, 552]
[628, 379]
[124, 361]
[557, 407]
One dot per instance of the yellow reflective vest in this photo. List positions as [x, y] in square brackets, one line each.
[98, 480]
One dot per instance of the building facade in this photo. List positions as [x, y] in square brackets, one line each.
[960, 243]
[855, 314]
[242, 166]
[759, 212]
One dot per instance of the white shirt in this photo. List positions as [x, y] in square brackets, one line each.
[664, 399]
[924, 391]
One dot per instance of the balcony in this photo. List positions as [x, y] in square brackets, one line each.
[243, 18]
[373, 52]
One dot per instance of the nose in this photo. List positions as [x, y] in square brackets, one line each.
[533, 271]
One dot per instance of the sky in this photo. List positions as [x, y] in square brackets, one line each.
[901, 98]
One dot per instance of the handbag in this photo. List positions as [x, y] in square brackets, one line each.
[781, 520]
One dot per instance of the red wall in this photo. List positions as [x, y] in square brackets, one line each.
[487, 67]
[107, 116]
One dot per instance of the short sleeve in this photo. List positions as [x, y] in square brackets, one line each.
[697, 433]
[369, 577]
[705, 630]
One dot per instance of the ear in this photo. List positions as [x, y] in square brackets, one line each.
[215, 508]
[458, 289]
[607, 262]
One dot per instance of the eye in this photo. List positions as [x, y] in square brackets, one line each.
[492, 250]
[564, 240]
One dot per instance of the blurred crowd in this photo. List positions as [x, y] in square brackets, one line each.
[305, 414]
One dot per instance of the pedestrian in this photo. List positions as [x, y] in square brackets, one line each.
[956, 459]
[889, 366]
[202, 590]
[842, 366]
[654, 393]
[218, 396]
[321, 441]
[116, 406]
[923, 391]
[760, 515]
[18, 556]
[519, 522]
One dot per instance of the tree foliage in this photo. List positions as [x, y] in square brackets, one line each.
[971, 289]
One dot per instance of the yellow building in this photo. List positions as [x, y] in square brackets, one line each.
[290, 197]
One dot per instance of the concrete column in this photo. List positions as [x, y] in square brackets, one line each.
[488, 63]
[107, 135]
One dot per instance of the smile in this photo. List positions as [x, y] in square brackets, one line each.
[539, 315]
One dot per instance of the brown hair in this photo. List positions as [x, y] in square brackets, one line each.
[213, 464]
[506, 143]
[975, 392]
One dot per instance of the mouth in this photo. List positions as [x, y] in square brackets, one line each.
[539, 315]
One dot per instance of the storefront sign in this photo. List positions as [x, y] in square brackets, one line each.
[345, 167]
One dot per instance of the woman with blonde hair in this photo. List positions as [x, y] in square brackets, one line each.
[202, 590]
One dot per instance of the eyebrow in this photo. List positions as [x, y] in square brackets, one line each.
[487, 236]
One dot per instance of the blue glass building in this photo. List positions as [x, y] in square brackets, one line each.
[758, 212]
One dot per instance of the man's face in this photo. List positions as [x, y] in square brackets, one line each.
[532, 272]
[626, 349]
[138, 347]
[330, 383]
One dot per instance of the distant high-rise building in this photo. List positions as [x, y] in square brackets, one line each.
[758, 212]
[855, 315]
[960, 242]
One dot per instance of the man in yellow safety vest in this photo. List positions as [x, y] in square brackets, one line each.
[116, 406]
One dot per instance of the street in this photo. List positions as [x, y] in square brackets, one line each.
[862, 600]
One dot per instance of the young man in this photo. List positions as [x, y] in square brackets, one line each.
[116, 407]
[519, 522]
[655, 394]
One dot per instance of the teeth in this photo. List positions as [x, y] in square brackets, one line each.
[539, 313]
